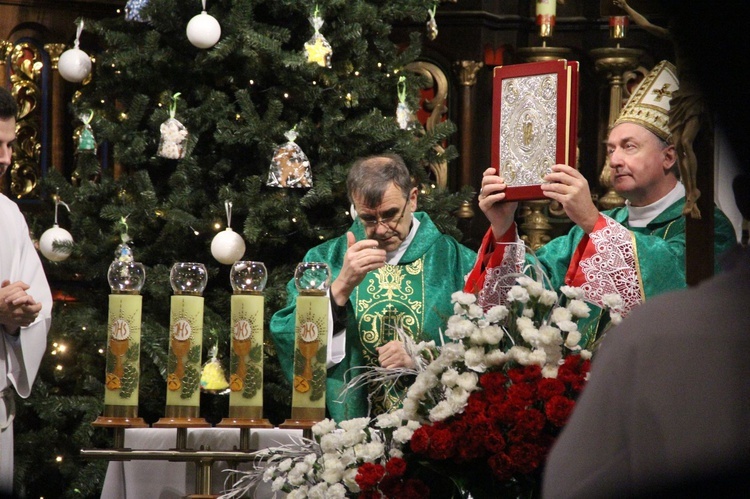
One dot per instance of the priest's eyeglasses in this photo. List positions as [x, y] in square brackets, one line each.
[390, 220]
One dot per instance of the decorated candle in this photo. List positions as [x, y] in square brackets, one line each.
[248, 281]
[312, 280]
[188, 281]
[126, 278]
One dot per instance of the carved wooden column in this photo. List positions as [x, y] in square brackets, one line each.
[467, 78]
[57, 143]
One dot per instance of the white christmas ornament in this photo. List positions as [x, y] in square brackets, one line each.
[53, 235]
[227, 246]
[203, 30]
[75, 64]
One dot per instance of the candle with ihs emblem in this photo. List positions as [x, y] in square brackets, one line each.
[248, 281]
[126, 279]
[312, 280]
[188, 280]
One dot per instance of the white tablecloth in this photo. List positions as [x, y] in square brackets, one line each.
[171, 480]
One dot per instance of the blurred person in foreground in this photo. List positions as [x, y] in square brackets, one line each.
[25, 302]
[665, 412]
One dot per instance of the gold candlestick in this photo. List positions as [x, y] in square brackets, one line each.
[311, 326]
[188, 281]
[248, 281]
[126, 278]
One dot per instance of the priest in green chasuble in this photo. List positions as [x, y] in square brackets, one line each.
[636, 251]
[393, 271]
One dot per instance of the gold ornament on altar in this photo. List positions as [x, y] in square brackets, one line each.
[290, 167]
[317, 48]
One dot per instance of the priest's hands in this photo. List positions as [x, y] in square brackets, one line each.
[567, 186]
[17, 308]
[393, 354]
[492, 202]
[361, 257]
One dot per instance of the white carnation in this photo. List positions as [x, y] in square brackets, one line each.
[355, 424]
[524, 323]
[459, 327]
[336, 491]
[318, 491]
[333, 470]
[492, 335]
[467, 380]
[441, 411]
[463, 298]
[549, 371]
[323, 427]
[520, 354]
[568, 326]
[402, 435]
[518, 294]
[285, 465]
[612, 300]
[615, 318]
[585, 354]
[561, 314]
[550, 335]
[538, 357]
[548, 298]
[449, 378]
[300, 493]
[474, 359]
[350, 480]
[278, 484]
[572, 293]
[389, 419]
[574, 337]
[579, 308]
[475, 311]
[496, 358]
[497, 313]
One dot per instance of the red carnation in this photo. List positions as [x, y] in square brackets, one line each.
[369, 475]
[558, 410]
[442, 444]
[395, 466]
[521, 394]
[493, 381]
[549, 387]
[495, 442]
[525, 457]
[413, 489]
[523, 374]
[528, 426]
[420, 439]
[501, 466]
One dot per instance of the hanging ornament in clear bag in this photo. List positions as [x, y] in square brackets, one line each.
[404, 114]
[86, 141]
[213, 377]
[432, 27]
[317, 48]
[290, 167]
[174, 135]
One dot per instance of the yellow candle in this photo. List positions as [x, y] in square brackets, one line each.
[123, 355]
[246, 364]
[309, 383]
[185, 345]
[545, 16]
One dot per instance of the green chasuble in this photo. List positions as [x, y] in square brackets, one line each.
[414, 295]
[634, 262]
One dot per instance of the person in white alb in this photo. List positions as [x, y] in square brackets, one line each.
[25, 302]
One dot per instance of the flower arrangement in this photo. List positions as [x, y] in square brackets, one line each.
[479, 419]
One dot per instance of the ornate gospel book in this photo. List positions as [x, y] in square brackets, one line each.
[534, 123]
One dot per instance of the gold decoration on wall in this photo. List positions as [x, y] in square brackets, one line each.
[26, 67]
[434, 79]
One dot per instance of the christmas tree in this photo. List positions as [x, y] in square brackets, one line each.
[184, 127]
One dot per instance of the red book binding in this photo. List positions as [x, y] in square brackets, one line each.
[534, 123]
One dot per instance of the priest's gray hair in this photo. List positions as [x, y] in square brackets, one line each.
[370, 177]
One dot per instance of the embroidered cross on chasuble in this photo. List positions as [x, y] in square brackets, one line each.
[389, 300]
